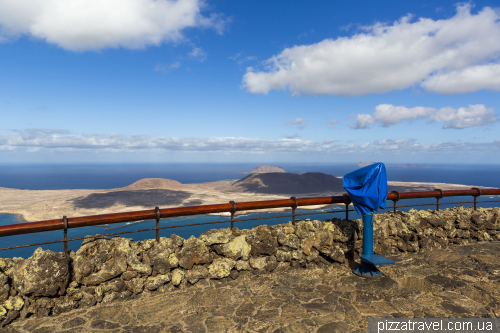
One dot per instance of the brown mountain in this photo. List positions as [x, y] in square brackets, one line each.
[156, 183]
[288, 183]
[363, 164]
[264, 169]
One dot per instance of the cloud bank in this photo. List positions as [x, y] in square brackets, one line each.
[389, 115]
[78, 25]
[449, 56]
[51, 140]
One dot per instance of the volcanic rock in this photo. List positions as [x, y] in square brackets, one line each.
[237, 248]
[288, 183]
[45, 273]
[220, 268]
[196, 273]
[215, 236]
[262, 241]
[193, 252]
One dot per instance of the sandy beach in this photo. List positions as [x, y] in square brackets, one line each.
[32, 205]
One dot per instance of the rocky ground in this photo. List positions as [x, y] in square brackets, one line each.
[458, 281]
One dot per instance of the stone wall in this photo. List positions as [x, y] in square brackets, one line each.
[106, 270]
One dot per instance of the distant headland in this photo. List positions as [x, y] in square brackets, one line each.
[264, 169]
[406, 165]
[265, 182]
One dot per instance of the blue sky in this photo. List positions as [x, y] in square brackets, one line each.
[249, 81]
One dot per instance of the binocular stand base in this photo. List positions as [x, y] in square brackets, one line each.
[368, 269]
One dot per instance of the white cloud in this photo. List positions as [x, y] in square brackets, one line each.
[305, 34]
[452, 55]
[388, 115]
[362, 121]
[49, 138]
[465, 80]
[240, 60]
[333, 123]
[297, 121]
[175, 65]
[293, 136]
[400, 146]
[167, 68]
[236, 56]
[31, 132]
[80, 25]
[198, 53]
[346, 27]
[245, 59]
[474, 115]
[53, 140]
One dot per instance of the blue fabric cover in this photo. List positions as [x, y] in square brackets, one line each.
[367, 187]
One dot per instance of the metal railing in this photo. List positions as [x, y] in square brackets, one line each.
[231, 207]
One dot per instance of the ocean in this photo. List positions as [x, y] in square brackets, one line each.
[109, 176]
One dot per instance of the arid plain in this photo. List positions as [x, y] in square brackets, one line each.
[32, 205]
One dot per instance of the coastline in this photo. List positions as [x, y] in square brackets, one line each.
[20, 218]
[40, 205]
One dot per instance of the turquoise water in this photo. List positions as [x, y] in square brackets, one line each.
[184, 232]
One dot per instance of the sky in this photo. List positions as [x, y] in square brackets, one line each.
[101, 81]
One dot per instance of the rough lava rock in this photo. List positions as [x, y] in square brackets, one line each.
[45, 273]
[215, 236]
[162, 255]
[4, 287]
[194, 252]
[106, 270]
[100, 259]
[220, 268]
[262, 241]
[237, 248]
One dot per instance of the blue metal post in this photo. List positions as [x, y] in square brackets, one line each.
[368, 233]
[367, 267]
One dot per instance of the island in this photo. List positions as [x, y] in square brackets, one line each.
[406, 165]
[264, 169]
[33, 205]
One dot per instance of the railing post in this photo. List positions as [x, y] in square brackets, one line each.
[347, 205]
[293, 208]
[232, 213]
[475, 197]
[437, 198]
[158, 214]
[395, 200]
[65, 229]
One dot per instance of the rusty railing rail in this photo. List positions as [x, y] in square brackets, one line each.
[231, 207]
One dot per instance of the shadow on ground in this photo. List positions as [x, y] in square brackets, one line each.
[146, 198]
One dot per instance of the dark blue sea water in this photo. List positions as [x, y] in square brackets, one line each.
[108, 176]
